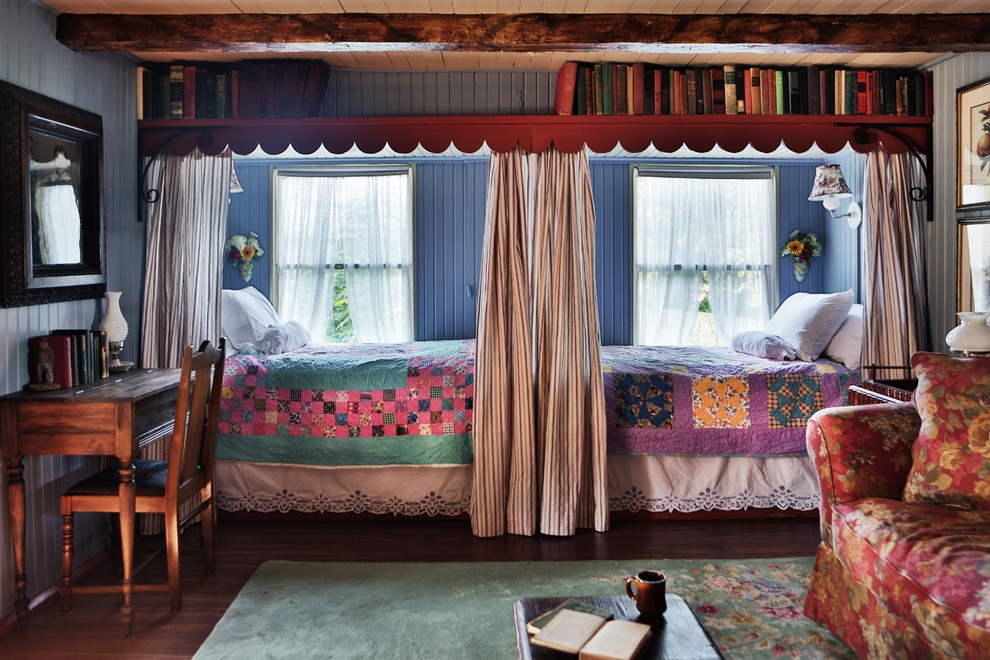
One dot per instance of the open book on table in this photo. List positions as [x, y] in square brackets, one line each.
[593, 637]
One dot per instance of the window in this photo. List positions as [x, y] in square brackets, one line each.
[703, 253]
[344, 251]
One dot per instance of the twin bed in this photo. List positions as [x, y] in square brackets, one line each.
[387, 429]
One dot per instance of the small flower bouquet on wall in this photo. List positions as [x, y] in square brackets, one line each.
[801, 248]
[242, 252]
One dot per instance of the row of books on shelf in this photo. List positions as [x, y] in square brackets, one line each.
[642, 89]
[69, 358]
[249, 90]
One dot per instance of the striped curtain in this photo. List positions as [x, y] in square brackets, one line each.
[187, 229]
[895, 299]
[539, 421]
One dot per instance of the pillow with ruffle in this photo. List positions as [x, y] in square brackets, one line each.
[951, 458]
[280, 338]
[761, 344]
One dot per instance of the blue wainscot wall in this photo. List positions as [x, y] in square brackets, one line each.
[450, 211]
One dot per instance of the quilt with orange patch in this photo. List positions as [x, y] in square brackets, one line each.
[693, 400]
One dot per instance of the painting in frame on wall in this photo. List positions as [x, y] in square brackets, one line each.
[51, 229]
[973, 147]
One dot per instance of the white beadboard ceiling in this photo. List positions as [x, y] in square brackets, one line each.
[392, 60]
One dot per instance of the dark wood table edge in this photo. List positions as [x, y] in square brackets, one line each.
[520, 619]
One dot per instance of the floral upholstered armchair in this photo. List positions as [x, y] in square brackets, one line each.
[903, 569]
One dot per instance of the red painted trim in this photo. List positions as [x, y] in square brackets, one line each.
[535, 133]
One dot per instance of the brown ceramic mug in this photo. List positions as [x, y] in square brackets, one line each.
[650, 592]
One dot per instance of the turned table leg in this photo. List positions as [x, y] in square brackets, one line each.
[17, 513]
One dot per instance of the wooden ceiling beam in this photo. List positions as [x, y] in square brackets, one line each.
[645, 33]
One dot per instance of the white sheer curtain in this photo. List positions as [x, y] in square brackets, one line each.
[358, 222]
[688, 222]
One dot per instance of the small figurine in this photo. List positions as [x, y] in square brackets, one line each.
[44, 367]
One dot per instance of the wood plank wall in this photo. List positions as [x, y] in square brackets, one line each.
[940, 236]
[354, 93]
[102, 83]
[450, 211]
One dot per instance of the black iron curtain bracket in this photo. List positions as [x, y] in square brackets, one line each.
[151, 195]
[918, 194]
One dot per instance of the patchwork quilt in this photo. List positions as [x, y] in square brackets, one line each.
[350, 404]
[691, 400]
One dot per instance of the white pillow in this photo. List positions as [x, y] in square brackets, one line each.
[847, 344]
[764, 345]
[245, 315]
[809, 320]
[280, 338]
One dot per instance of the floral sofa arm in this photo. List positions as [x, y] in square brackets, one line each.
[859, 452]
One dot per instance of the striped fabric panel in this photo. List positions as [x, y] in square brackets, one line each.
[896, 314]
[186, 233]
[539, 431]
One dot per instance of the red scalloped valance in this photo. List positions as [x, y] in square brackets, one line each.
[535, 133]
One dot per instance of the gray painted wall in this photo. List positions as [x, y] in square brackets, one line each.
[941, 234]
[31, 58]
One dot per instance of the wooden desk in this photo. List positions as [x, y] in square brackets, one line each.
[115, 416]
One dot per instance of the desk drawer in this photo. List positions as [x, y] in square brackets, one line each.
[152, 412]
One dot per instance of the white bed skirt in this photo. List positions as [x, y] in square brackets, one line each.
[710, 483]
[635, 483]
[408, 490]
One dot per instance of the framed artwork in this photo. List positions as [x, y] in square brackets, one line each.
[51, 199]
[973, 147]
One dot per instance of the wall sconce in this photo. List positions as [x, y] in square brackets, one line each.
[829, 187]
[235, 185]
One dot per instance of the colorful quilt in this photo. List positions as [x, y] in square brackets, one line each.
[690, 400]
[350, 404]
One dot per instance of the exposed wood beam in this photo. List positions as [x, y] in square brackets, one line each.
[308, 33]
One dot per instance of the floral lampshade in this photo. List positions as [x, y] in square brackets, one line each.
[235, 185]
[829, 183]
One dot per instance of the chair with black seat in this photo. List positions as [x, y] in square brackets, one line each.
[163, 486]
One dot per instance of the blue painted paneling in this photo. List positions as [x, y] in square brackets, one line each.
[450, 220]
[796, 212]
[842, 256]
[252, 209]
[450, 209]
[611, 188]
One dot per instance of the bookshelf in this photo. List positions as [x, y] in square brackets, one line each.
[535, 133]
[182, 91]
[614, 88]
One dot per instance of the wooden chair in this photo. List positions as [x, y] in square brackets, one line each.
[163, 486]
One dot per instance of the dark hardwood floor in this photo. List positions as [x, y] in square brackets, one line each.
[93, 628]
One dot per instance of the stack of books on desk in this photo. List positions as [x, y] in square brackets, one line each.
[588, 631]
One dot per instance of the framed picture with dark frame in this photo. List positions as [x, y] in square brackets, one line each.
[973, 148]
[51, 199]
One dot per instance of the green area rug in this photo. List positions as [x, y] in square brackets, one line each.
[751, 608]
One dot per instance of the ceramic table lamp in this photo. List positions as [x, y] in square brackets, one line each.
[115, 326]
[970, 336]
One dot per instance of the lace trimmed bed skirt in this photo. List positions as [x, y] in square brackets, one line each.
[636, 483]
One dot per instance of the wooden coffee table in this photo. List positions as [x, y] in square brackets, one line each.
[679, 635]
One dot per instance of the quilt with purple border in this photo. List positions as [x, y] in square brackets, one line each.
[692, 400]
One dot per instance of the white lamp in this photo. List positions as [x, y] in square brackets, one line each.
[114, 324]
[829, 188]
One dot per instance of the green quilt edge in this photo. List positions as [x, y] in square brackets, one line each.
[454, 449]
